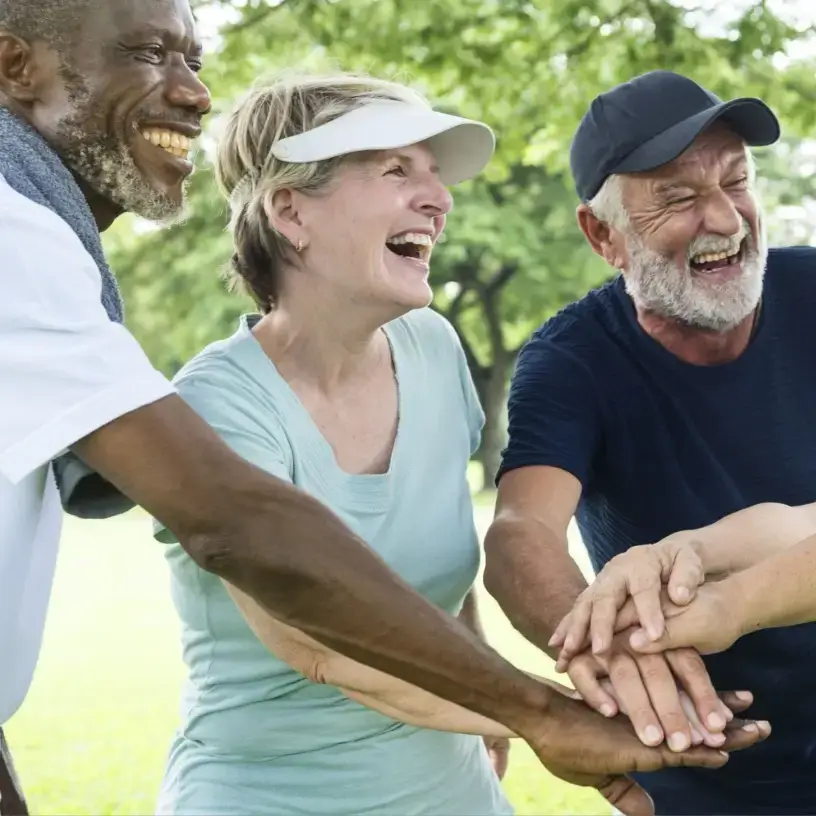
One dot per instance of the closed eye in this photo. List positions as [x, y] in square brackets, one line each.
[396, 170]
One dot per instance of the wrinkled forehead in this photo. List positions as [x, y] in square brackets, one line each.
[126, 18]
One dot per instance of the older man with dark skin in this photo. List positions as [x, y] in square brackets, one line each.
[661, 402]
[110, 91]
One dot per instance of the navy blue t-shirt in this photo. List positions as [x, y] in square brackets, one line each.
[661, 445]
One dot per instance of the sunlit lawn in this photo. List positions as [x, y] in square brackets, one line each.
[92, 734]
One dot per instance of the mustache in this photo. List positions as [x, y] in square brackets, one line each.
[704, 244]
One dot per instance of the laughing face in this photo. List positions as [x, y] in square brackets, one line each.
[372, 233]
[694, 247]
[123, 111]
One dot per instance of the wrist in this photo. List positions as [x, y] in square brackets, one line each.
[526, 715]
[740, 598]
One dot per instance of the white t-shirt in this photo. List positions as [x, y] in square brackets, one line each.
[65, 371]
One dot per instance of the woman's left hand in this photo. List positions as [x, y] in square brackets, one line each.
[498, 749]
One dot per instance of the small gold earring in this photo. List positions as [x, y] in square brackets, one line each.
[300, 246]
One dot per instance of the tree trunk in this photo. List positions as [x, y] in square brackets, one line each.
[494, 436]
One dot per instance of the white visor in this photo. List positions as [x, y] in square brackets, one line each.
[461, 147]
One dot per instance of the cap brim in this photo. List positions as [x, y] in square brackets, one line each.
[751, 119]
[462, 148]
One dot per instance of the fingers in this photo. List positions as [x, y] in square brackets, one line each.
[686, 575]
[635, 700]
[742, 734]
[646, 597]
[640, 641]
[737, 701]
[689, 669]
[661, 687]
[603, 616]
[627, 796]
[573, 630]
[584, 673]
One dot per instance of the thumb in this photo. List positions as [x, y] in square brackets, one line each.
[686, 575]
[627, 796]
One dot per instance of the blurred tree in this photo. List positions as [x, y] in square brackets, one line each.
[513, 254]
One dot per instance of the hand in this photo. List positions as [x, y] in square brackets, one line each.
[581, 747]
[645, 688]
[711, 623]
[640, 573]
[498, 749]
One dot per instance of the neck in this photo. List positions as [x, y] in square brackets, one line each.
[103, 211]
[327, 344]
[698, 346]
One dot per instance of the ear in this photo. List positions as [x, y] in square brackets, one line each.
[25, 68]
[604, 239]
[281, 209]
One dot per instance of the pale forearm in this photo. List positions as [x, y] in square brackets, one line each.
[532, 576]
[370, 687]
[777, 591]
[746, 537]
[300, 562]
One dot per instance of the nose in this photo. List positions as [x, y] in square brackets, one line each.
[720, 216]
[433, 197]
[185, 90]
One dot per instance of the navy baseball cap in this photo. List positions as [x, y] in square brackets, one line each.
[650, 120]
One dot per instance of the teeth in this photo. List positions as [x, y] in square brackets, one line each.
[710, 257]
[418, 238]
[173, 142]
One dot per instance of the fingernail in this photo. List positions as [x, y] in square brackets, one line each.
[715, 739]
[598, 645]
[716, 722]
[750, 727]
[552, 640]
[607, 710]
[723, 754]
[638, 639]
[727, 712]
[652, 735]
[682, 593]
[764, 727]
[745, 696]
[678, 741]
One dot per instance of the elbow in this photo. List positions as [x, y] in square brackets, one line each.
[210, 551]
[495, 568]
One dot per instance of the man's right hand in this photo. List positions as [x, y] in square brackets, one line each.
[645, 688]
[583, 748]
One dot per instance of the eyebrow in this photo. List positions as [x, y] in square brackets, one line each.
[194, 46]
[408, 160]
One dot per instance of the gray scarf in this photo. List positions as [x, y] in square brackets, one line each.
[32, 168]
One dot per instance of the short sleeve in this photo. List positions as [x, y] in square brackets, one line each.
[65, 368]
[553, 412]
[228, 406]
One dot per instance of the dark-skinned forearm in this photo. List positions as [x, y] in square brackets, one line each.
[300, 562]
[530, 573]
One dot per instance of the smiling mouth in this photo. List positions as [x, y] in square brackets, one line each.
[715, 261]
[414, 245]
[171, 141]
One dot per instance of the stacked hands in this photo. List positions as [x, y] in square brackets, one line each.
[633, 640]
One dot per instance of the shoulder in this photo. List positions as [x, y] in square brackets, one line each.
[786, 260]
[33, 234]
[426, 329]
[230, 383]
[575, 339]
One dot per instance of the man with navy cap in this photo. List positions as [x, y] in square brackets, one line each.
[678, 393]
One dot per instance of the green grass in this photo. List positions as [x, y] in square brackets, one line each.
[92, 735]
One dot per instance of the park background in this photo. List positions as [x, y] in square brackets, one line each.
[92, 736]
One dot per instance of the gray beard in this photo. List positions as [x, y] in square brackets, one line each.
[657, 285]
[106, 163]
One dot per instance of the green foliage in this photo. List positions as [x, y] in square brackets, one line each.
[513, 254]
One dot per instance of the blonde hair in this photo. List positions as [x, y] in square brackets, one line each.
[247, 172]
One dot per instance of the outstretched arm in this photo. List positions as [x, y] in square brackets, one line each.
[371, 687]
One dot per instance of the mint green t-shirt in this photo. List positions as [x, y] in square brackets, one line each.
[256, 737]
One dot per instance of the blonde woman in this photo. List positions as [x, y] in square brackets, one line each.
[347, 385]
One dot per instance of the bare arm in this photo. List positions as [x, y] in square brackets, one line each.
[300, 562]
[748, 536]
[370, 687]
[777, 591]
[528, 568]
